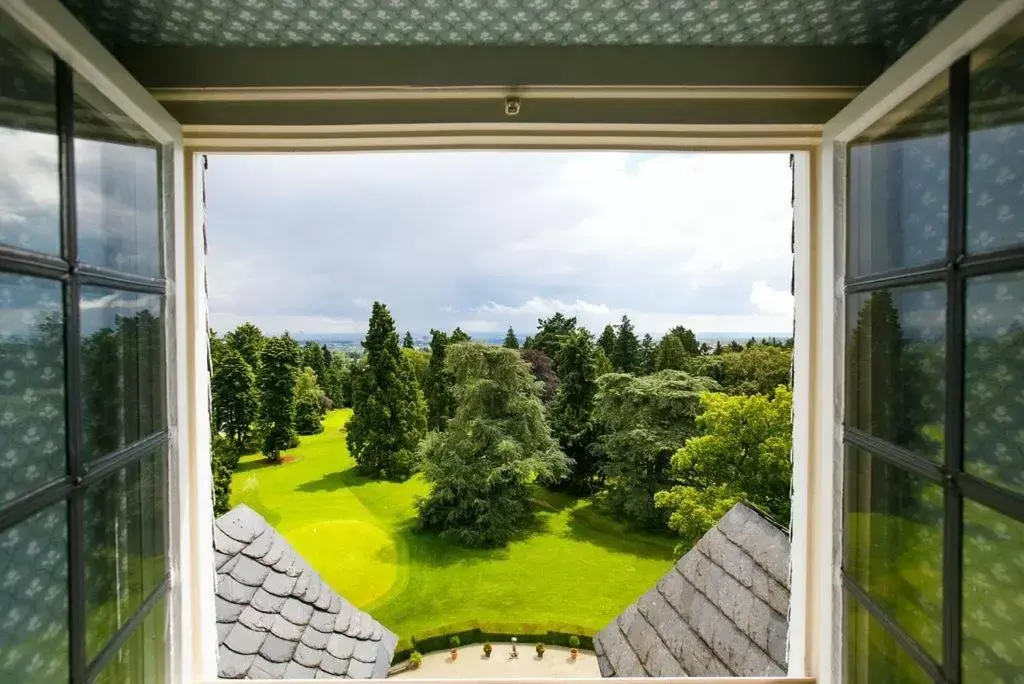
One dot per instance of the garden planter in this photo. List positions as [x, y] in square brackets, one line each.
[573, 653]
[455, 654]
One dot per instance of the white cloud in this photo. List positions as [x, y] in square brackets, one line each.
[539, 306]
[771, 301]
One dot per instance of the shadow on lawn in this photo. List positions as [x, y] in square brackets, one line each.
[587, 524]
[333, 481]
[430, 548]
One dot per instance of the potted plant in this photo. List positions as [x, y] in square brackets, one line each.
[454, 642]
[574, 644]
[540, 650]
[487, 649]
[415, 660]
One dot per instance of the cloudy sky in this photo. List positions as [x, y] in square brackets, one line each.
[485, 240]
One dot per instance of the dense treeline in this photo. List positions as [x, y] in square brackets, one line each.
[667, 433]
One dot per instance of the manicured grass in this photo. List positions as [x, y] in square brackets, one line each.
[573, 565]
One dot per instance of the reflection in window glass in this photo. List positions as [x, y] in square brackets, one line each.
[143, 658]
[899, 185]
[122, 368]
[32, 441]
[893, 543]
[33, 599]
[29, 180]
[993, 649]
[895, 387]
[124, 558]
[874, 657]
[995, 153]
[117, 191]
[994, 380]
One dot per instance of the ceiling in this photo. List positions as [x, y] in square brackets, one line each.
[894, 24]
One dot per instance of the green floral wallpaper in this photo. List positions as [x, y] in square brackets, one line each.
[894, 23]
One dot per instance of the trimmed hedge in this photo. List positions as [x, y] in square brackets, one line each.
[469, 633]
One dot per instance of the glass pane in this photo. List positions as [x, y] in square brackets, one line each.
[895, 375]
[994, 380]
[142, 659]
[117, 191]
[29, 180]
[33, 599]
[993, 649]
[124, 553]
[874, 657]
[893, 544]
[995, 156]
[122, 368]
[32, 443]
[899, 187]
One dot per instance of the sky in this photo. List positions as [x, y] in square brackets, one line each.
[486, 239]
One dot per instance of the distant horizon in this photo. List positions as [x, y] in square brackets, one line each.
[493, 334]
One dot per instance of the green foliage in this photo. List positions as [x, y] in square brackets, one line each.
[550, 332]
[671, 354]
[338, 386]
[418, 361]
[407, 342]
[218, 347]
[572, 410]
[756, 369]
[454, 641]
[574, 641]
[626, 352]
[309, 403]
[648, 419]
[511, 341]
[607, 341]
[487, 649]
[742, 455]
[602, 364]
[497, 443]
[542, 368]
[390, 414]
[486, 632]
[248, 341]
[437, 384]
[648, 356]
[540, 649]
[234, 397]
[313, 357]
[458, 336]
[688, 339]
[277, 375]
[415, 659]
[223, 459]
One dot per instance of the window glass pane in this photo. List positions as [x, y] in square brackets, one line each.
[994, 379]
[29, 180]
[32, 442]
[122, 367]
[124, 553]
[33, 599]
[995, 156]
[117, 192]
[993, 649]
[142, 659]
[874, 657]
[899, 185]
[895, 383]
[893, 544]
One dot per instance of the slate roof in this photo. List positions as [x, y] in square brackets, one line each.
[721, 611]
[276, 619]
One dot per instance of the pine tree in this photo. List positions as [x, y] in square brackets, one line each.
[671, 355]
[389, 414]
[511, 341]
[689, 339]
[407, 342]
[626, 354]
[248, 341]
[648, 356]
[277, 375]
[607, 341]
[437, 384]
[551, 331]
[572, 410]
[458, 336]
[313, 357]
[498, 442]
[235, 398]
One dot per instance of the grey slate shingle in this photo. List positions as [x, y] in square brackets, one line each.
[276, 618]
[721, 611]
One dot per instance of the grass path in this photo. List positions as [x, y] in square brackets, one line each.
[574, 566]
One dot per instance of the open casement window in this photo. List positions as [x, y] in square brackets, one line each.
[84, 383]
[933, 452]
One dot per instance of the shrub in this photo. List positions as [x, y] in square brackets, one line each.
[540, 650]
[454, 642]
[487, 649]
[574, 641]
[415, 659]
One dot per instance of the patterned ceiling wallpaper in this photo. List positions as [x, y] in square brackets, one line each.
[893, 23]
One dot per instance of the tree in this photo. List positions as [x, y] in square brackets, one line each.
[437, 384]
[313, 357]
[277, 375]
[688, 338]
[389, 414]
[756, 369]
[458, 336]
[626, 353]
[223, 459]
[671, 355]
[648, 356]
[480, 468]
[235, 398]
[602, 363]
[248, 341]
[309, 403]
[407, 342]
[607, 341]
[542, 368]
[647, 420]
[571, 413]
[550, 332]
[511, 341]
[418, 361]
[742, 455]
[338, 375]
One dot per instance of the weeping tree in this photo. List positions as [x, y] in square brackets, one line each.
[497, 443]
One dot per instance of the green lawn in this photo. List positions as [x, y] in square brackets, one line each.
[574, 566]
